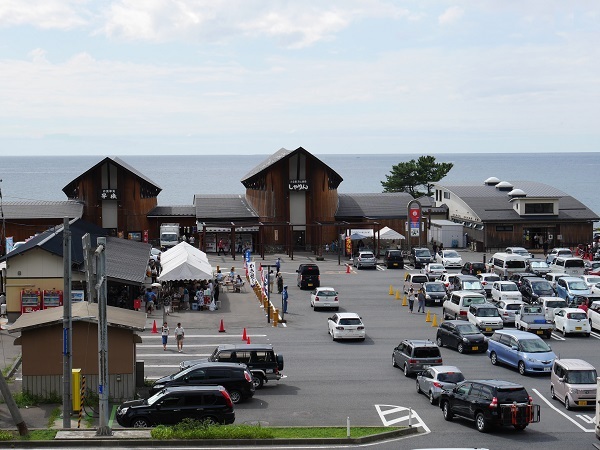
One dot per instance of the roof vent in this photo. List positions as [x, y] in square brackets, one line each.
[491, 181]
[504, 186]
[517, 193]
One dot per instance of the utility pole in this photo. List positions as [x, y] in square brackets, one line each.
[67, 326]
[103, 428]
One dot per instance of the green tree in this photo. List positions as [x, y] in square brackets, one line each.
[412, 175]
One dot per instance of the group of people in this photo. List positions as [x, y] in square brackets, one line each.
[420, 297]
[179, 336]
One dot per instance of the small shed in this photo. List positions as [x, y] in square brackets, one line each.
[448, 233]
[41, 344]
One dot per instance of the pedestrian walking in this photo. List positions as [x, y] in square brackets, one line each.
[216, 293]
[150, 299]
[545, 247]
[435, 248]
[221, 247]
[165, 334]
[167, 304]
[284, 298]
[411, 299]
[421, 301]
[278, 265]
[279, 283]
[179, 335]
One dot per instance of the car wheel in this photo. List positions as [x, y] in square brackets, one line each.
[140, 422]
[521, 367]
[460, 348]
[439, 342]
[552, 394]
[567, 403]
[418, 387]
[481, 423]
[432, 399]
[236, 396]
[564, 332]
[494, 358]
[587, 334]
[405, 369]
[447, 412]
[394, 363]
[257, 381]
[209, 420]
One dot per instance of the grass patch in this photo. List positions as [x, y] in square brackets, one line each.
[24, 399]
[34, 435]
[192, 429]
[54, 415]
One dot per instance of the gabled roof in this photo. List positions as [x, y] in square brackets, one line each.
[491, 204]
[126, 260]
[283, 154]
[225, 207]
[170, 211]
[71, 186]
[42, 210]
[385, 205]
[81, 312]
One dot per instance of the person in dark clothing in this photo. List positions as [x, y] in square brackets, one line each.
[279, 283]
[545, 246]
[421, 301]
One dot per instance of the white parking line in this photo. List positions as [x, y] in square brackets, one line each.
[587, 418]
[562, 413]
[403, 415]
[557, 337]
[594, 334]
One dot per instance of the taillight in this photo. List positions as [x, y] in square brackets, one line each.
[336, 299]
[247, 376]
[339, 328]
[436, 384]
[484, 283]
[494, 403]
[463, 313]
[225, 394]
[529, 399]
[360, 328]
[438, 360]
[316, 299]
[412, 361]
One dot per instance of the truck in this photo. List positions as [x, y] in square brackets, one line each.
[169, 235]
[532, 318]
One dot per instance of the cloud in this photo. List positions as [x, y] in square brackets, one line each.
[451, 15]
[45, 14]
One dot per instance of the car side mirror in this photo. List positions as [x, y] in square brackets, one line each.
[561, 379]
[514, 347]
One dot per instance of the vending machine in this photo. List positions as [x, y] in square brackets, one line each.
[31, 300]
[52, 299]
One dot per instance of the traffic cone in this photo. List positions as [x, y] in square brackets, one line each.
[391, 290]
[347, 268]
[428, 317]
[244, 336]
[154, 329]
[434, 322]
[248, 340]
[397, 294]
[404, 301]
[222, 327]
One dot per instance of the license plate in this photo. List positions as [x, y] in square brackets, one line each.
[475, 348]
[488, 329]
[546, 369]
[540, 331]
[582, 403]
[309, 284]
[577, 328]
[437, 300]
[395, 264]
[478, 272]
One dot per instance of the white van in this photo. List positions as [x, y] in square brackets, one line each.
[572, 266]
[505, 264]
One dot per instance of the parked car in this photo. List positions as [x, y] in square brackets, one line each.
[435, 293]
[534, 288]
[487, 279]
[393, 259]
[504, 264]
[570, 287]
[414, 280]
[309, 276]
[485, 317]
[468, 283]
[419, 256]
[553, 277]
[525, 351]
[346, 325]
[365, 259]
[448, 280]
[262, 361]
[558, 252]
[473, 268]
[507, 310]
[416, 355]
[324, 297]
[463, 336]
[549, 304]
[171, 405]
[572, 321]
[537, 266]
[593, 314]
[533, 319]
[518, 251]
[434, 380]
[570, 265]
[450, 259]
[234, 377]
[573, 382]
[458, 304]
[489, 403]
[434, 270]
[505, 290]
[518, 277]
[591, 280]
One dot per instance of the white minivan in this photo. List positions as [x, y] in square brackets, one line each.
[572, 266]
[505, 264]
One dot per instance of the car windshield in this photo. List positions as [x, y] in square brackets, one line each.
[542, 288]
[436, 267]
[367, 255]
[510, 395]
[472, 285]
[423, 252]
[514, 264]
[451, 254]
[513, 307]
[539, 265]
[327, 293]
[451, 377]
[350, 322]
[521, 251]
[491, 278]
[577, 316]
[581, 377]
[427, 352]
[488, 312]
[467, 328]
[509, 287]
[473, 300]
[577, 285]
[152, 400]
[534, 346]
[556, 304]
[435, 288]
[593, 280]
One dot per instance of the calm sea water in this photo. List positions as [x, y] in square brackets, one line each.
[180, 177]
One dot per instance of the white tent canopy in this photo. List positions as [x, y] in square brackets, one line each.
[184, 262]
[388, 233]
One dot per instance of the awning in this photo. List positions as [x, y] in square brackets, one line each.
[184, 262]
[388, 233]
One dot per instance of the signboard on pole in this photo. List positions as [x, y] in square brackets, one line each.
[415, 219]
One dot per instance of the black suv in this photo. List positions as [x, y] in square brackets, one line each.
[419, 257]
[169, 406]
[393, 259]
[518, 278]
[490, 402]
[532, 288]
[234, 377]
[461, 335]
[414, 355]
[473, 268]
[308, 276]
[262, 361]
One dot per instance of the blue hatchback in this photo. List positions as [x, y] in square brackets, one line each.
[521, 349]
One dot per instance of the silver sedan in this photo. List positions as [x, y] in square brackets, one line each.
[434, 380]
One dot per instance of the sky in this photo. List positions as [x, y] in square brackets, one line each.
[135, 77]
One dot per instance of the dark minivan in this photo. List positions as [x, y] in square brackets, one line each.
[171, 405]
[393, 259]
[234, 377]
[308, 276]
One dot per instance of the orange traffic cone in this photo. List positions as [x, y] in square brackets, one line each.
[222, 327]
[244, 336]
[248, 340]
[347, 268]
[154, 329]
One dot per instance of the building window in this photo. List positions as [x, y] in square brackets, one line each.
[446, 194]
[504, 228]
[539, 208]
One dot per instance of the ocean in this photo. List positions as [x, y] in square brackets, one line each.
[180, 177]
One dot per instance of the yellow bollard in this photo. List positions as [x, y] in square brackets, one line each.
[404, 301]
[275, 316]
[428, 317]
[397, 294]
[434, 322]
[391, 290]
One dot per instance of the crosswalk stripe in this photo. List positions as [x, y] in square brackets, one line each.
[170, 355]
[220, 336]
[186, 344]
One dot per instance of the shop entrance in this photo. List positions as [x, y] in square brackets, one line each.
[534, 237]
[299, 237]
